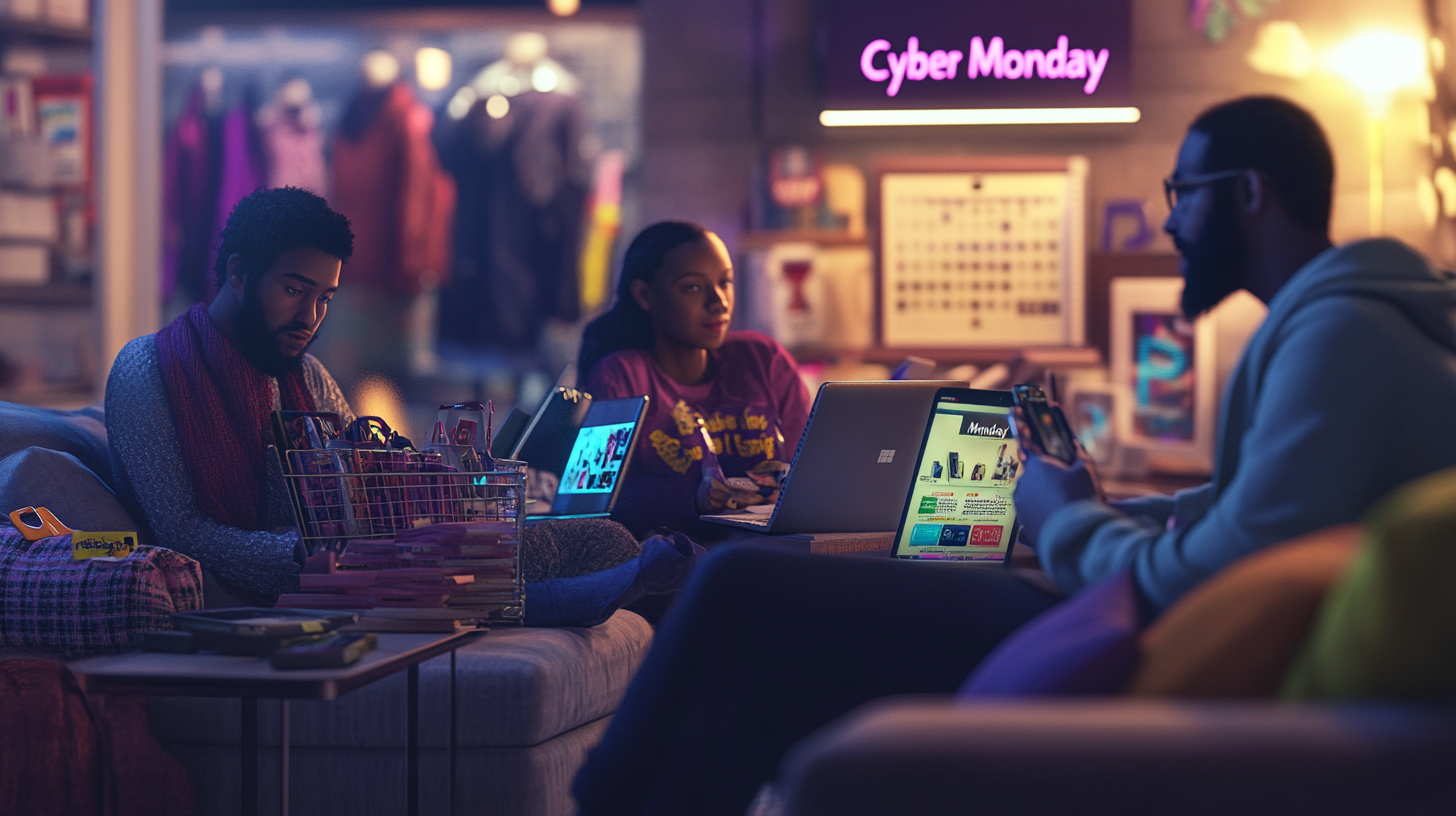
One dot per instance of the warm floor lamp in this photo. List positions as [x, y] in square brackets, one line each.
[1379, 64]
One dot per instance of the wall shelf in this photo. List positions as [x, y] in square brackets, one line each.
[44, 31]
[13, 295]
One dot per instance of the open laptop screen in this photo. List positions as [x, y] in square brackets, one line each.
[960, 506]
[599, 456]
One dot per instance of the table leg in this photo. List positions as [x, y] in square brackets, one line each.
[452, 732]
[413, 739]
[250, 756]
[283, 757]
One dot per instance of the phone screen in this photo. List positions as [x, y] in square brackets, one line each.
[1049, 430]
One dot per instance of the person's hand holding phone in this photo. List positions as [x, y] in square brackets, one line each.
[1047, 485]
[1048, 482]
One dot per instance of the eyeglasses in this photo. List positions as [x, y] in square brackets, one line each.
[1173, 187]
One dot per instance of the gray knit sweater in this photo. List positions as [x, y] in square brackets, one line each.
[151, 476]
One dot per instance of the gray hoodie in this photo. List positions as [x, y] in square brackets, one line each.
[1347, 391]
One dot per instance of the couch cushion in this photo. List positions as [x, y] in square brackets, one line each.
[1235, 635]
[61, 483]
[50, 602]
[1388, 628]
[1087, 645]
[81, 433]
[528, 685]
[515, 686]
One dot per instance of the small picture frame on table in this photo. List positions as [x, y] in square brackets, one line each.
[1166, 367]
[1091, 409]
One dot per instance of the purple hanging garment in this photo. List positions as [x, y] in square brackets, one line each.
[241, 169]
[190, 201]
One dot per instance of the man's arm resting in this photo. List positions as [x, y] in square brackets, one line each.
[147, 459]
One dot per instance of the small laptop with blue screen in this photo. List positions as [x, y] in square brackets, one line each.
[960, 503]
[592, 473]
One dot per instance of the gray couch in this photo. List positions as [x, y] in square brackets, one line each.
[933, 755]
[532, 702]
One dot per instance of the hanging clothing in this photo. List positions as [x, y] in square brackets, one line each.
[522, 184]
[240, 170]
[387, 179]
[293, 146]
[190, 201]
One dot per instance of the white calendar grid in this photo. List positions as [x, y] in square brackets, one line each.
[982, 259]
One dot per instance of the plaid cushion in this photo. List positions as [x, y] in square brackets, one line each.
[52, 603]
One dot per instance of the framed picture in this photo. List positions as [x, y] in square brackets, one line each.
[1166, 366]
[1091, 410]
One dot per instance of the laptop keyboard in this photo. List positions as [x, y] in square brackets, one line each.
[747, 520]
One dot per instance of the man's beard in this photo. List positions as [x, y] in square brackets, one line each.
[1212, 266]
[259, 345]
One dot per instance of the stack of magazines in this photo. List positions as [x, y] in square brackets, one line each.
[434, 578]
[293, 638]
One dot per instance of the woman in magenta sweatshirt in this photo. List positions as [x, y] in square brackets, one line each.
[667, 337]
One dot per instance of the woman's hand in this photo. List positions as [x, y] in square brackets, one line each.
[761, 486]
[716, 495]
[769, 473]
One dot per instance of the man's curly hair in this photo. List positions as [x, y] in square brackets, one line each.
[268, 223]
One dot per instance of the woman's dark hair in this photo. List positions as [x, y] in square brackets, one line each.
[268, 223]
[625, 325]
[1281, 140]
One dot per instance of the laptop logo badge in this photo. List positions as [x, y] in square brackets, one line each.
[886, 456]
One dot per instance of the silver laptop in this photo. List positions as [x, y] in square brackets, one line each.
[854, 462]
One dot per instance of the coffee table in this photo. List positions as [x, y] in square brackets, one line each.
[249, 678]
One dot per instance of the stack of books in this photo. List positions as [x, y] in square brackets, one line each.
[434, 578]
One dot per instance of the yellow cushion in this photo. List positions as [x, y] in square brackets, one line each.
[1387, 631]
[1237, 634]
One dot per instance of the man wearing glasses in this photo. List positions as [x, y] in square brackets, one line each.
[1347, 391]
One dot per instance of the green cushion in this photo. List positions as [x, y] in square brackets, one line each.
[1387, 630]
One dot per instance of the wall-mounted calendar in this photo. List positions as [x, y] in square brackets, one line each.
[992, 257]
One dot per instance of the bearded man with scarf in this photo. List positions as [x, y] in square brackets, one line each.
[188, 408]
[188, 420]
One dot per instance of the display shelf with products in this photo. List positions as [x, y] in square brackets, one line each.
[43, 31]
[48, 321]
[44, 295]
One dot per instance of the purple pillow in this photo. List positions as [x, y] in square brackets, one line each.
[1086, 645]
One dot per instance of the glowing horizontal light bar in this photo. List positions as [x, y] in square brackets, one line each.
[977, 116]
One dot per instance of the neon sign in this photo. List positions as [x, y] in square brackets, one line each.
[986, 61]
[923, 56]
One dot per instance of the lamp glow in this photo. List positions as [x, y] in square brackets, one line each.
[978, 116]
[1379, 63]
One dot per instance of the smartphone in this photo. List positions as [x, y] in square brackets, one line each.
[335, 650]
[1044, 423]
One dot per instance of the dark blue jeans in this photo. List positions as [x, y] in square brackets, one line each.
[764, 647]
